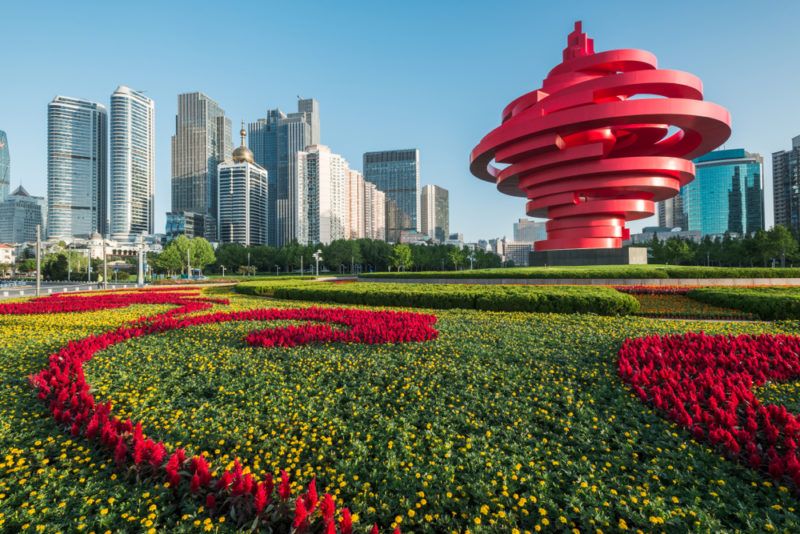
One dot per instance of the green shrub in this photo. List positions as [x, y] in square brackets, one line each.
[603, 272]
[768, 303]
[557, 299]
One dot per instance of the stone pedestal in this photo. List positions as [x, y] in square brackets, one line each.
[589, 256]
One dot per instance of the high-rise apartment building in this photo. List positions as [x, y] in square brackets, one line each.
[354, 198]
[726, 196]
[322, 205]
[374, 212]
[435, 212]
[20, 213]
[201, 142]
[786, 185]
[276, 140]
[77, 168]
[243, 198]
[133, 168]
[396, 173]
[5, 167]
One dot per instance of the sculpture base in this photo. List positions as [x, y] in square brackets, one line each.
[589, 256]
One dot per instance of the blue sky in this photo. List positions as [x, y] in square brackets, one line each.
[432, 75]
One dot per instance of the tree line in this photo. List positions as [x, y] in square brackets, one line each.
[775, 247]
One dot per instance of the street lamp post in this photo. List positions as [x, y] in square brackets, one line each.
[223, 270]
[69, 262]
[38, 259]
[140, 274]
[248, 263]
[105, 265]
[318, 256]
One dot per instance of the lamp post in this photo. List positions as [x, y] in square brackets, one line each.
[318, 256]
[248, 263]
[38, 259]
[140, 276]
[277, 269]
[69, 262]
[105, 265]
[223, 270]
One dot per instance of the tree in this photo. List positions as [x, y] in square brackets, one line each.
[780, 243]
[54, 267]
[400, 258]
[202, 253]
[341, 253]
[457, 257]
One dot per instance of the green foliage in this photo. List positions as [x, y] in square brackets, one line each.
[604, 272]
[768, 303]
[181, 250]
[558, 299]
[400, 258]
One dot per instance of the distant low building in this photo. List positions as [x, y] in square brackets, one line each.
[518, 252]
[19, 216]
[7, 254]
[529, 231]
[185, 223]
[412, 237]
[663, 233]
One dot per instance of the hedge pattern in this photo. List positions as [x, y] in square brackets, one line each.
[545, 299]
[605, 271]
[768, 303]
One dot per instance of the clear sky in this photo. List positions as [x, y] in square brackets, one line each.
[425, 74]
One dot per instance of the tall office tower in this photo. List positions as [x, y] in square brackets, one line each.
[396, 173]
[529, 231]
[322, 205]
[727, 196]
[671, 213]
[77, 168]
[435, 212]
[354, 199]
[133, 167]
[243, 195]
[5, 167]
[20, 213]
[374, 212]
[786, 185]
[201, 142]
[276, 140]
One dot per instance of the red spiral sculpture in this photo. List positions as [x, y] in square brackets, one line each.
[607, 136]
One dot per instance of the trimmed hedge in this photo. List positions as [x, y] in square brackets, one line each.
[768, 303]
[553, 299]
[604, 271]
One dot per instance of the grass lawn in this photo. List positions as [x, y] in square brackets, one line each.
[506, 420]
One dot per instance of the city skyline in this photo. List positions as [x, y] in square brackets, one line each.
[437, 105]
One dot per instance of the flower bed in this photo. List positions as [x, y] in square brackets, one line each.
[186, 300]
[768, 303]
[505, 421]
[705, 384]
[246, 499]
[654, 290]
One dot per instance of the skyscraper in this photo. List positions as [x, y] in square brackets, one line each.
[354, 200]
[435, 212]
[5, 167]
[243, 195]
[77, 168]
[275, 141]
[20, 213]
[201, 142]
[396, 173]
[133, 173]
[727, 195]
[322, 207]
[374, 212]
[786, 185]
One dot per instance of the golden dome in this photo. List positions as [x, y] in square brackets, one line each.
[242, 154]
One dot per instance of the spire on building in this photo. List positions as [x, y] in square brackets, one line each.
[243, 154]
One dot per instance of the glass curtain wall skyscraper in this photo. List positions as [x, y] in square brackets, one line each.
[5, 167]
[201, 142]
[77, 163]
[786, 185]
[396, 173]
[132, 164]
[726, 196]
[276, 140]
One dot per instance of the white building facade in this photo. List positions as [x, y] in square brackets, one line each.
[374, 212]
[354, 195]
[322, 188]
[133, 174]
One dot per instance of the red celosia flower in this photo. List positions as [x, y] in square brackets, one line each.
[300, 513]
[284, 489]
[346, 524]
